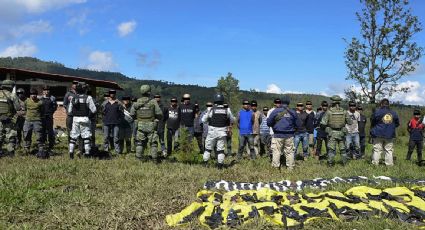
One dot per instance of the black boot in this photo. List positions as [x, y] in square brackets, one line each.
[71, 155]
[205, 164]
[220, 166]
[157, 160]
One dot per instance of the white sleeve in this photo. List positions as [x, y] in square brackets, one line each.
[91, 104]
[69, 107]
[231, 117]
[206, 116]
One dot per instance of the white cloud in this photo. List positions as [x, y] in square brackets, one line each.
[34, 27]
[39, 6]
[126, 28]
[273, 88]
[415, 96]
[101, 61]
[19, 50]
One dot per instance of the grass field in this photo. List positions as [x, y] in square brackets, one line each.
[124, 193]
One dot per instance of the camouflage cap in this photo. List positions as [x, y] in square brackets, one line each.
[144, 89]
[336, 98]
[8, 83]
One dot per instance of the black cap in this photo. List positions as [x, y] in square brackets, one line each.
[125, 98]
[308, 103]
[157, 96]
[33, 91]
[265, 109]
[300, 104]
[277, 101]
[75, 82]
[173, 99]
[245, 102]
[225, 105]
[352, 104]
[112, 91]
[209, 104]
[319, 109]
[325, 104]
[416, 112]
[360, 108]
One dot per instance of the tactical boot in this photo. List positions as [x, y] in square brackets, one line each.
[205, 164]
[220, 166]
[71, 155]
[157, 160]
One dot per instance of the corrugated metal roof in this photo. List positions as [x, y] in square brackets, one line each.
[22, 74]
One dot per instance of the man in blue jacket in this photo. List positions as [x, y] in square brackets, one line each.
[384, 123]
[284, 121]
[245, 121]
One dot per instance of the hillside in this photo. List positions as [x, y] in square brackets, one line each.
[200, 94]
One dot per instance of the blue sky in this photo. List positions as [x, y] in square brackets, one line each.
[275, 45]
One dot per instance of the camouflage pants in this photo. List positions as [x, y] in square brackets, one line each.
[336, 139]
[20, 121]
[81, 127]
[31, 127]
[146, 135]
[8, 135]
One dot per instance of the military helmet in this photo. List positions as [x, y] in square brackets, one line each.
[20, 91]
[7, 84]
[145, 89]
[218, 98]
[336, 98]
[80, 88]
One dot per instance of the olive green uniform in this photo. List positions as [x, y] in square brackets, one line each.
[33, 124]
[9, 104]
[334, 121]
[145, 111]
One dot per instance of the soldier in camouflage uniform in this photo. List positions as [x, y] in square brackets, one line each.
[334, 122]
[147, 112]
[20, 119]
[9, 104]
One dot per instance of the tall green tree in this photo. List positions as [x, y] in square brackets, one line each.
[385, 51]
[229, 87]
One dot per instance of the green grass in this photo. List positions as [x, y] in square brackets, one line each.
[125, 193]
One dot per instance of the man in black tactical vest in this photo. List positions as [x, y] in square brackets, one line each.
[218, 119]
[80, 108]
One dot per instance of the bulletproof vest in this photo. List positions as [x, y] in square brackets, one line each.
[219, 117]
[336, 118]
[6, 105]
[80, 107]
[146, 112]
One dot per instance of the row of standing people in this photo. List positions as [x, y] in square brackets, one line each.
[21, 117]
